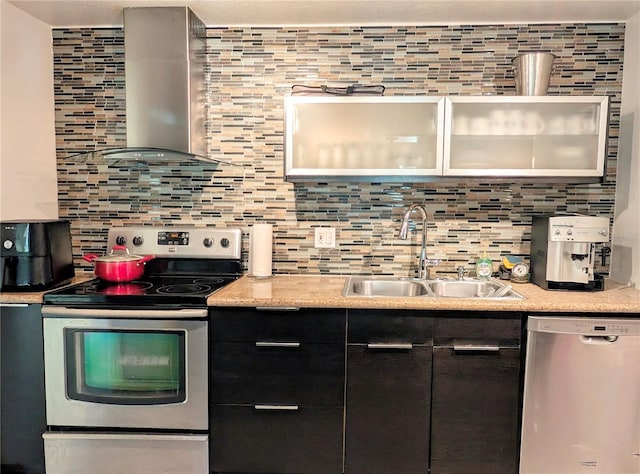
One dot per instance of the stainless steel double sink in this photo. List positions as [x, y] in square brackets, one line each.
[372, 286]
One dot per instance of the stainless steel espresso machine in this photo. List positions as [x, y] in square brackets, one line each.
[563, 251]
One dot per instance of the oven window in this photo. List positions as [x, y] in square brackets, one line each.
[125, 367]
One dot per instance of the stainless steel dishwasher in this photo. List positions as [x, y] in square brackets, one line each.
[581, 409]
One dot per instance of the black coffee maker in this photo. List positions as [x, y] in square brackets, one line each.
[35, 255]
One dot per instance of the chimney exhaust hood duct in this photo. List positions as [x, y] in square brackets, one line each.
[164, 80]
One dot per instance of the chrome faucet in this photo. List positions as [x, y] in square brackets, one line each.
[425, 265]
[461, 272]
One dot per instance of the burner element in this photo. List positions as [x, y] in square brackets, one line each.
[130, 288]
[209, 281]
[184, 289]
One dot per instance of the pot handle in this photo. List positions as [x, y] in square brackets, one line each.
[145, 259]
[90, 257]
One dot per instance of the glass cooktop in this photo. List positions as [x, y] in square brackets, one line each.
[152, 291]
[156, 291]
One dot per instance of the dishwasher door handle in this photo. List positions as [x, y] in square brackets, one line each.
[598, 340]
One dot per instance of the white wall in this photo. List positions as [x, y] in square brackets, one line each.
[625, 256]
[28, 186]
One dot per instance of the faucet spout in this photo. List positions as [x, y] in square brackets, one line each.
[425, 263]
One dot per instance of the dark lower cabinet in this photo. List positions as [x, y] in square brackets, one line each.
[277, 390]
[475, 404]
[426, 392]
[307, 374]
[387, 410]
[22, 404]
[271, 439]
[388, 392]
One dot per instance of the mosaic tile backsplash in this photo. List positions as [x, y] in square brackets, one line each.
[250, 70]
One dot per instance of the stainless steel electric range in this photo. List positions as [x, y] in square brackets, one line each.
[126, 364]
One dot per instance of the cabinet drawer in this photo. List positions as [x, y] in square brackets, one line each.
[366, 326]
[302, 374]
[493, 327]
[306, 440]
[251, 325]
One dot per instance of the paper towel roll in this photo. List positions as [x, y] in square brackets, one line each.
[260, 250]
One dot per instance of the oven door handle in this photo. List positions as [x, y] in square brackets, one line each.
[62, 312]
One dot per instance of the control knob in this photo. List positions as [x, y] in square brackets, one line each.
[121, 240]
[225, 242]
[208, 242]
[137, 241]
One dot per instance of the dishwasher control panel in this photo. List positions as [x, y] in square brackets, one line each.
[564, 324]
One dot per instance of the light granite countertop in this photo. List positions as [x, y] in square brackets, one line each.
[313, 291]
[35, 297]
[319, 291]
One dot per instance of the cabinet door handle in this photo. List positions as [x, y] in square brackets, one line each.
[277, 308]
[476, 348]
[277, 344]
[276, 407]
[390, 346]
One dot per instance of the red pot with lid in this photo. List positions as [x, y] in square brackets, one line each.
[119, 266]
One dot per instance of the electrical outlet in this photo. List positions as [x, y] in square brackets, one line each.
[325, 238]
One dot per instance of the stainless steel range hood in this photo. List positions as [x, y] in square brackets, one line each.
[164, 80]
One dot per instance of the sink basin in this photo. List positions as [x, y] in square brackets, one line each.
[462, 288]
[471, 289]
[371, 286]
[376, 286]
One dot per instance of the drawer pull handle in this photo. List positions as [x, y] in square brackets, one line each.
[475, 348]
[390, 346]
[277, 308]
[276, 407]
[277, 344]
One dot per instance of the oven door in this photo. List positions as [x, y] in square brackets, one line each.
[126, 368]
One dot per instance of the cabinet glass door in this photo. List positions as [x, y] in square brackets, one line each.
[526, 136]
[363, 136]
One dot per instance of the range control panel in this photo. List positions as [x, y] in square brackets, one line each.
[179, 242]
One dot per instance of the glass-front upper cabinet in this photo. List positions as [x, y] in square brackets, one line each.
[557, 136]
[363, 137]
